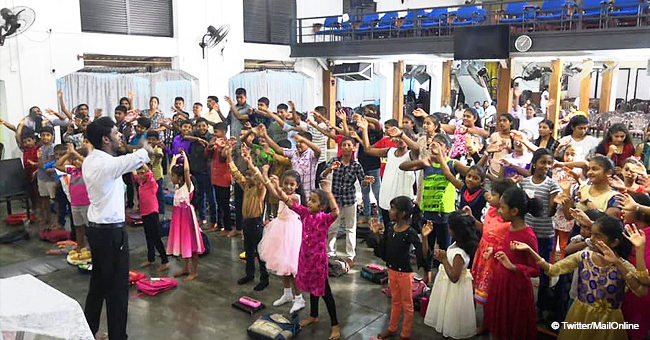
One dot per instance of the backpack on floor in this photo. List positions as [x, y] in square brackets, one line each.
[164, 228]
[135, 276]
[274, 327]
[248, 305]
[374, 273]
[14, 236]
[206, 244]
[337, 266]
[155, 286]
[18, 219]
[54, 236]
[418, 290]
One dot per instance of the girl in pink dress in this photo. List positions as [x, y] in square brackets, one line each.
[184, 232]
[312, 263]
[280, 244]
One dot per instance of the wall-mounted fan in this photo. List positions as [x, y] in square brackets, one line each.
[477, 74]
[15, 21]
[215, 37]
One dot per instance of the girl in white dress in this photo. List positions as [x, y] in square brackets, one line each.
[451, 305]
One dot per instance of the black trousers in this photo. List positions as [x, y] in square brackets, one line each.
[329, 303]
[239, 202]
[109, 280]
[62, 207]
[223, 206]
[319, 170]
[152, 234]
[253, 229]
[130, 190]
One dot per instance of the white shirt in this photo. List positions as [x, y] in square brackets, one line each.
[319, 139]
[212, 116]
[583, 147]
[543, 101]
[102, 175]
[490, 110]
[446, 109]
[530, 127]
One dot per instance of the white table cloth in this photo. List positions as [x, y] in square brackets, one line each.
[29, 305]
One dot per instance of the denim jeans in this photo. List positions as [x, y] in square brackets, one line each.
[544, 248]
[205, 194]
[365, 191]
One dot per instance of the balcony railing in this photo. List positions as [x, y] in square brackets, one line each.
[555, 15]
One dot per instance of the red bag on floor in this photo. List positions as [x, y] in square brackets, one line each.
[155, 286]
[135, 276]
[54, 236]
[17, 219]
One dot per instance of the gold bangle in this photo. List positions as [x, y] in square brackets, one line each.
[642, 274]
[629, 276]
[267, 182]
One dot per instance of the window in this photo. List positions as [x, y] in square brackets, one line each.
[268, 21]
[135, 17]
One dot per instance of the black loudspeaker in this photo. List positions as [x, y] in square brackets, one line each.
[12, 177]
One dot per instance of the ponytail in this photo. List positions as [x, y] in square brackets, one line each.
[410, 210]
[516, 197]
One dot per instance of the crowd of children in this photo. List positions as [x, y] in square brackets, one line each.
[488, 210]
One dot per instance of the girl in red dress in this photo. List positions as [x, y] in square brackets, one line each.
[509, 311]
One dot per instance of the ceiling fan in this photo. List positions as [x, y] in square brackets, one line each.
[15, 21]
[215, 37]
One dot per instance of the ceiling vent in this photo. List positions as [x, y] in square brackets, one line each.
[353, 72]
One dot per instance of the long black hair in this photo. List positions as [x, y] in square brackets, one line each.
[411, 210]
[516, 197]
[477, 122]
[618, 127]
[462, 225]
[551, 139]
[613, 228]
[575, 121]
[299, 190]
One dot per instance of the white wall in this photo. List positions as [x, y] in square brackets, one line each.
[319, 8]
[27, 61]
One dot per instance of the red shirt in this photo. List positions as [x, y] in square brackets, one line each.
[147, 194]
[29, 153]
[385, 142]
[220, 175]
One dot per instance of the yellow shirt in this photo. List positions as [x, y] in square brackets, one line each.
[253, 203]
[156, 163]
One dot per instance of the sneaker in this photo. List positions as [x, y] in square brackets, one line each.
[244, 280]
[283, 299]
[260, 286]
[298, 304]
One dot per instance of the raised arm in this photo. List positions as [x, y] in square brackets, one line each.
[262, 133]
[334, 208]
[186, 169]
[62, 104]
[234, 111]
[326, 132]
[309, 143]
[367, 148]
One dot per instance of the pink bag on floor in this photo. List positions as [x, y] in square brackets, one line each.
[155, 286]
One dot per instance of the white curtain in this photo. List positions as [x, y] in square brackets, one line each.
[104, 90]
[358, 93]
[278, 86]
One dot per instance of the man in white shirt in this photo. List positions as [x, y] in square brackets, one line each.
[530, 124]
[214, 114]
[445, 108]
[107, 236]
[543, 100]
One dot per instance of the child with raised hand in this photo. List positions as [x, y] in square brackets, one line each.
[632, 171]
[184, 232]
[79, 200]
[393, 245]
[598, 195]
[604, 277]
[252, 213]
[451, 311]
[147, 188]
[637, 231]
[494, 229]
[510, 296]
[280, 244]
[312, 276]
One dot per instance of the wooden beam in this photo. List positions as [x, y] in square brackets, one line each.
[504, 86]
[398, 91]
[585, 83]
[554, 93]
[606, 88]
[445, 93]
[329, 99]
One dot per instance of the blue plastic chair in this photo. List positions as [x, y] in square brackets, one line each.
[368, 22]
[467, 16]
[628, 8]
[412, 17]
[518, 12]
[386, 22]
[437, 17]
[329, 26]
[554, 10]
[346, 27]
[592, 9]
